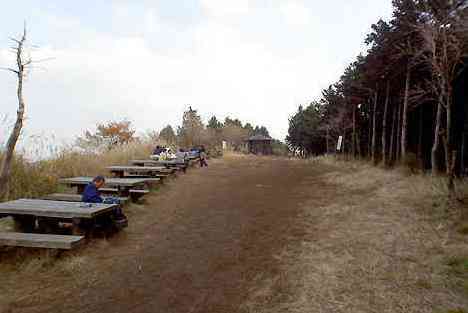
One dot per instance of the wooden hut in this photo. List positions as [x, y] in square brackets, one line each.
[260, 144]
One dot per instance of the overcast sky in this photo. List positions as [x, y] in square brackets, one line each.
[256, 60]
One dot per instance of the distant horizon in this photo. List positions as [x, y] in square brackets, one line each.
[148, 62]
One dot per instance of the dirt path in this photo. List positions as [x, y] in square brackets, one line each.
[195, 247]
[245, 235]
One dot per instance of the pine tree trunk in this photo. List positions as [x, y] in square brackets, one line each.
[343, 145]
[374, 126]
[5, 166]
[358, 145]
[384, 125]
[369, 141]
[435, 144]
[398, 134]
[327, 141]
[405, 115]
[354, 133]
[392, 136]
[448, 134]
[462, 157]
[420, 135]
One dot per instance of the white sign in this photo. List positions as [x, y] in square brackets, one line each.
[340, 141]
[224, 145]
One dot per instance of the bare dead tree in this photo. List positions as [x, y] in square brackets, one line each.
[443, 45]
[22, 63]
[411, 54]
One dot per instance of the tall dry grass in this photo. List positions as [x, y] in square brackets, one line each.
[31, 179]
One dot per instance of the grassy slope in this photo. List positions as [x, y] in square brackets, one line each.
[376, 241]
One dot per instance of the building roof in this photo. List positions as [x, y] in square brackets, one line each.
[260, 138]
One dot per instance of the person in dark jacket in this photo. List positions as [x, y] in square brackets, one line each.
[158, 150]
[203, 157]
[91, 194]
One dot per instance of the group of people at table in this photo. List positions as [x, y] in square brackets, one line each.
[164, 153]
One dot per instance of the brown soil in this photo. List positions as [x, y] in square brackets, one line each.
[243, 235]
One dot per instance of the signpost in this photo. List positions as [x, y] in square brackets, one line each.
[340, 142]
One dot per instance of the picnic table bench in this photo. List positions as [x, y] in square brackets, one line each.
[151, 171]
[69, 197]
[134, 188]
[47, 214]
[40, 240]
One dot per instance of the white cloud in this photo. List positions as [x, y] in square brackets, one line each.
[295, 13]
[151, 21]
[225, 8]
[253, 72]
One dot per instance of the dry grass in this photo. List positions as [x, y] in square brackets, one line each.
[376, 241]
[32, 179]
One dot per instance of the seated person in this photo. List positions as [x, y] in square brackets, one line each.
[195, 152]
[91, 194]
[169, 154]
[158, 150]
[181, 155]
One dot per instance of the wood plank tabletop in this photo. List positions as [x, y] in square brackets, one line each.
[143, 161]
[133, 168]
[69, 197]
[118, 182]
[155, 162]
[59, 209]
[171, 161]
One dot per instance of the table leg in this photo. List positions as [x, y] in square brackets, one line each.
[24, 223]
[123, 191]
[80, 189]
[77, 230]
[118, 174]
[47, 225]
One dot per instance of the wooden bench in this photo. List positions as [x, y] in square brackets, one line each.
[73, 197]
[40, 240]
[122, 185]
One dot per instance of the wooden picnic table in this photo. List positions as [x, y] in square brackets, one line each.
[153, 171]
[27, 211]
[123, 185]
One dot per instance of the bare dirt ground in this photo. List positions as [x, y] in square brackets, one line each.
[257, 235]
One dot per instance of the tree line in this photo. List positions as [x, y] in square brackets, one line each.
[404, 99]
[191, 132]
